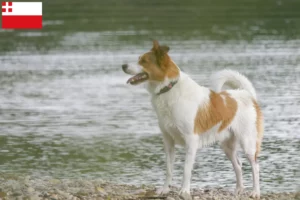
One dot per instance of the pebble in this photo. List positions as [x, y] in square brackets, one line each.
[170, 198]
[34, 197]
[3, 194]
[30, 190]
[139, 192]
[62, 194]
[15, 194]
[54, 181]
[101, 190]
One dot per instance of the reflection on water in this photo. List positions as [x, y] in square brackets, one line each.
[69, 113]
[129, 159]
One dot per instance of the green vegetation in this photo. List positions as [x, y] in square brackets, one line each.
[212, 19]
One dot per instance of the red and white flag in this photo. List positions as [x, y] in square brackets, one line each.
[22, 15]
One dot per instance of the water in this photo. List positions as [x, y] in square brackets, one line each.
[65, 110]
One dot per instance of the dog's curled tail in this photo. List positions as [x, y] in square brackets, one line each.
[236, 80]
[233, 79]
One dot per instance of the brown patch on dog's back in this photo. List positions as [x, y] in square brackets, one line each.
[259, 127]
[221, 108]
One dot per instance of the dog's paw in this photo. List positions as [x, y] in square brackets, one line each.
[255, 195]
[162, 190]
[185, 194]
[239, 190]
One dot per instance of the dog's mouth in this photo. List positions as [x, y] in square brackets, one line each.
[138, 78]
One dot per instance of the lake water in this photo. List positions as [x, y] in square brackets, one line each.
[66, 110]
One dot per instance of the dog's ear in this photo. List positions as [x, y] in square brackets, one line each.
[164, 49]
[159, 49]
[155, 47]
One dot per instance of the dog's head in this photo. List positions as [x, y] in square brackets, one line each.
[155, 65]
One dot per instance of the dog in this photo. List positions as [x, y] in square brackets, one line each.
[195, 116]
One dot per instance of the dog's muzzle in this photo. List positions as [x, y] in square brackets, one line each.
[139, 75]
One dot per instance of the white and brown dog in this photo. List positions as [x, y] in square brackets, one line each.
[195, 116]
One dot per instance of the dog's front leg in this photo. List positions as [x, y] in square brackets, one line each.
[191, 150]
[170, 156]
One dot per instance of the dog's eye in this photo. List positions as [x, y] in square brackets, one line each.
[143, 61]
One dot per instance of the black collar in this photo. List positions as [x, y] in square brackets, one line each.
[167, 88]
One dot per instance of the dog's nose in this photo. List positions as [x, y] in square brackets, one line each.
[124, 67]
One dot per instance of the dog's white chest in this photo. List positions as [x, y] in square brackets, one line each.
[166, 120]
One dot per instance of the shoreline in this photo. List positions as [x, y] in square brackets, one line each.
[47, 188]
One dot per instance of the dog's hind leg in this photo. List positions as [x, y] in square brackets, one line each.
[255, 175]
[249, 147]
[169, 146]
[229, 146]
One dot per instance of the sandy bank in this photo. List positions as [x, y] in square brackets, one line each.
[12, 187]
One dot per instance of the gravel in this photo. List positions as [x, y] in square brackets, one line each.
[47, 188]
